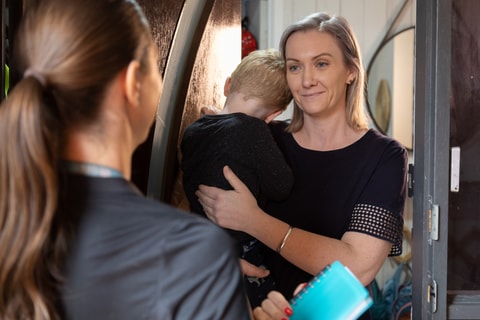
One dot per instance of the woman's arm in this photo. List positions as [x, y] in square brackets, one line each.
[237, 209]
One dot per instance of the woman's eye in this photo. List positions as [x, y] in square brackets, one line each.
[321, 64]
[293, 68]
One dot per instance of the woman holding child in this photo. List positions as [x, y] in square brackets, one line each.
[350, 181]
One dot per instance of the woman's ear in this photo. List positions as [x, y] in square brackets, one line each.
[352, 75]
[132, 83]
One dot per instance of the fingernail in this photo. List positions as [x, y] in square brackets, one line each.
[288, 311]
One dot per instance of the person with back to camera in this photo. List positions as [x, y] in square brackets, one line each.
[256, 92]
[78, 240]
[350, 181]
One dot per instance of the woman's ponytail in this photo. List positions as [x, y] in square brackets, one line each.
[28, 199]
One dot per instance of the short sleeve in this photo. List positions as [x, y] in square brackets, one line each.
[380, 223]
[379, 211]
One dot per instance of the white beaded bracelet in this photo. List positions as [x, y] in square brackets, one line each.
[280, 247]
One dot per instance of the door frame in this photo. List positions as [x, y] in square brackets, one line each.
[431, 159]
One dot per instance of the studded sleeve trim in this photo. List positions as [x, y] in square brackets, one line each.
[380, 223]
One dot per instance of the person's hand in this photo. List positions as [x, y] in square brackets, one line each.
[275, 307]
[299, 288]
[252, 270]
[208, 110]
[232, 209]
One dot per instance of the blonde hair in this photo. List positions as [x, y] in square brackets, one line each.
[339, 28]
[67, 52]
[261, 74]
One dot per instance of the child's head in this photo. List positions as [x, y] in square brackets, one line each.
[261, 75]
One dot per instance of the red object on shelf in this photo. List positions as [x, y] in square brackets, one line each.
[249, 43]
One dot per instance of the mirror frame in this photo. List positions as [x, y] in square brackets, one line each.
[382, 45]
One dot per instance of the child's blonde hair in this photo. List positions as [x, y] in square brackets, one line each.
[261, 74]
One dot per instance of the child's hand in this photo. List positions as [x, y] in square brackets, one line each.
[208, 110]
[251, 270]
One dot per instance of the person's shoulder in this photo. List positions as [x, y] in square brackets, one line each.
[156, 214]
[175, 229]
[380, 138]
[278, 126]
[243, 123]
[245, 118]
[154, 209]
[198, 122]
[252, 122]
[223, 120]
[380, 141]
[197, 129]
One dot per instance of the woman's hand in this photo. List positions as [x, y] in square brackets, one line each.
[275, 307]
[232, 209]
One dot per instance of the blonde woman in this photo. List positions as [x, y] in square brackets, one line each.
[349, 181]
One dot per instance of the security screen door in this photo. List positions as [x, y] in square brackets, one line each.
[446, 227]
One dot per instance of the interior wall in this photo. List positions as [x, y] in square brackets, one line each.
[370, 19]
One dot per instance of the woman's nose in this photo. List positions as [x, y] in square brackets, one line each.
[308, 77]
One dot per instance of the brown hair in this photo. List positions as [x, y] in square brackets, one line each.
[261, 74]
[67, 52]
[340, 29]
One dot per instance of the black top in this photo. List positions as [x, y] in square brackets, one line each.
[242, 142]
[135, 258]
[357, 188]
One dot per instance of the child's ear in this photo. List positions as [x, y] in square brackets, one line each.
[226, 87]
[272, 116]
[132, 83]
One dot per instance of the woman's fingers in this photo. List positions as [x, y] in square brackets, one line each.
[206, 195]
[228, 208]
[299, 288]
[234, 181]
[274, 307]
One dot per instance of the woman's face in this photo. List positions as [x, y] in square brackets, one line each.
[316, 73]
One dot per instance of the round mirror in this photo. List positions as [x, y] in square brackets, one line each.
[390, 87]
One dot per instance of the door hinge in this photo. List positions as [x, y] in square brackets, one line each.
[433, 216]
[410, 180]
[432, 295]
